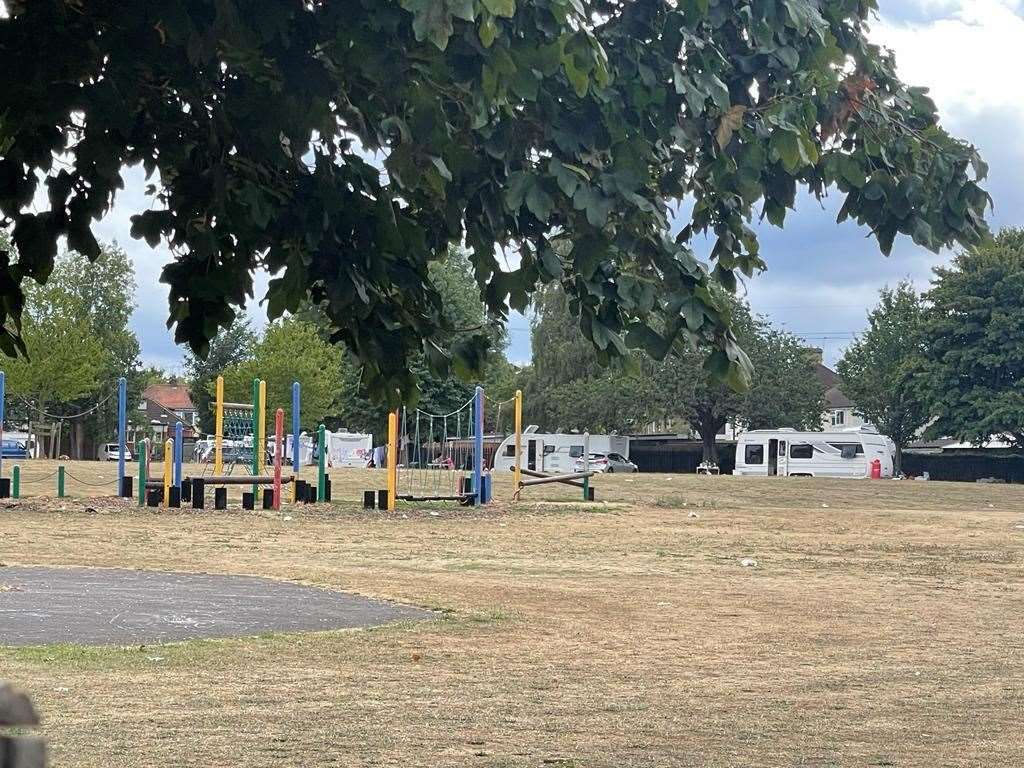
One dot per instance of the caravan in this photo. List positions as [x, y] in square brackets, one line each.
[554, 452]
[786, 452]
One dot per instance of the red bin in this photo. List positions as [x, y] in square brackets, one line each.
[876, 469]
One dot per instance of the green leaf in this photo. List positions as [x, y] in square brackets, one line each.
[488, 30]
[539, 202]
[506, 8]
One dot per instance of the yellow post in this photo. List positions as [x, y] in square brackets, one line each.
[517, 467]
[392, 460]
[261, 438]
[168, 463]
[218, 439]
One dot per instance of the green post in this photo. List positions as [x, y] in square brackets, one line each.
[60, 482]
[140, 451]
[16, 482]
[321, 481]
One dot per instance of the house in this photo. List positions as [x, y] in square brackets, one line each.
[839, 409]
[164, 405]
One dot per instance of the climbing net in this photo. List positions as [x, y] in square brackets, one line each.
[238, 437]
[435, 454]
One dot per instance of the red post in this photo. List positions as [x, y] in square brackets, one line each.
[278, 437]
[876, 469]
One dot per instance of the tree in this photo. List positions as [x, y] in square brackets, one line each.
[231, 346]
[289, 351]
[786, 390]
[564, 130]
[879, 370]
[973, 340]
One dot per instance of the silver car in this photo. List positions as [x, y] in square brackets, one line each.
[606, 462]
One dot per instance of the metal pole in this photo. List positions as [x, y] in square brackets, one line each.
[321, 480]
[16, 482]
[122, 429]
[478, 445]
[392, 459]
[3, 398]
[517, 475]
[296, 458]
[179, 450]
[60, 482]
[278, 447]
[218, 438]
[140, 451]
[255, 430]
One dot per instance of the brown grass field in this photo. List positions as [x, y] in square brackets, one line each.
[881, 626]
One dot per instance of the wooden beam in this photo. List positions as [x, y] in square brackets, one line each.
[241, 479]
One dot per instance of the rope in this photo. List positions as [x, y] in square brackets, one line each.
[39, 479]
[70, 417]
[462, 407]
[498, 402]
[87, 482]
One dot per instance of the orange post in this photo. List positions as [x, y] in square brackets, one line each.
[278, 440]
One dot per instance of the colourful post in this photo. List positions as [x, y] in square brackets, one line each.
[296, 459]
[478, 445]
[179, 449]
[321, 480]
[517, 467]
[262, 452]
[168, 464]
[3, 397]
[392, 459]
[586, 465]
[278, 447]
[16, 482]
[218, 439]
[255, 465]
[122, 429]
[60, 482]
[140, 451]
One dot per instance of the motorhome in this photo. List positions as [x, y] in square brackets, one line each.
[544, 452]
[788, 453]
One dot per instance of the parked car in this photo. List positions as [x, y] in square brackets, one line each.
[606, 462]
[109, 451]
[14, 449]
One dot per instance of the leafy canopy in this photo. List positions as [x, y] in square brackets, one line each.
[879, 370]
[973, 373]
[562, 130]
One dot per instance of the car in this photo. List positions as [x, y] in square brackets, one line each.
[109, 452]
[14, 449]
[607, 462]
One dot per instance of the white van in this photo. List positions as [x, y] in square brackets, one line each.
[543, 452]
[786, 452]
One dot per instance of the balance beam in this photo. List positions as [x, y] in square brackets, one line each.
[539, 478]
[242, 479]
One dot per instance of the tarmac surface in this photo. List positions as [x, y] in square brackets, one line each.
[86, 606]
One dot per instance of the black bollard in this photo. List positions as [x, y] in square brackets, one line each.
[198, 493]
[220, 498]
[5, 488]
[268, 498]
[369, 499]
[327, 487]
[153, 497]
[248, 502]
[382, 499]
[174, 497]
[186, 489]
[126, 487]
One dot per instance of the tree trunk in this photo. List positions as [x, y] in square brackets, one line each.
[897, 460]
[77, 440]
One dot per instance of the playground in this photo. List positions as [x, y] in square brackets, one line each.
[878, 624]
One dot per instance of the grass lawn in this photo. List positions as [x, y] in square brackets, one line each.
[882, 625]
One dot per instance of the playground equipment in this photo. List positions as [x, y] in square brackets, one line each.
[435, 457]
[533, 477]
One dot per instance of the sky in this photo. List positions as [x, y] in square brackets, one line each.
[822, 277]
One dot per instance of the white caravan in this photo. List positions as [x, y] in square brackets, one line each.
[786, 452]
[554, 452]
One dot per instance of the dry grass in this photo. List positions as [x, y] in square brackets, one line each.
[883, 629]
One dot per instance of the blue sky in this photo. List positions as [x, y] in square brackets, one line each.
[822, 277]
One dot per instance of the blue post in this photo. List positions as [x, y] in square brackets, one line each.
[296, 399]
[122, 428]
[478, 445]
[178, 451]
[3, 395]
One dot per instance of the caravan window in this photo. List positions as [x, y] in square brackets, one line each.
[754, 454]
[575, 451]
[510, 449]
[846, 447]
[801, 451]
[549, 449]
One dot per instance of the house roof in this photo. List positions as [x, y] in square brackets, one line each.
[169, 396]
[834, 397]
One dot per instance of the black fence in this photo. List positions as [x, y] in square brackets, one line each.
[966, 467]
[675, 456]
